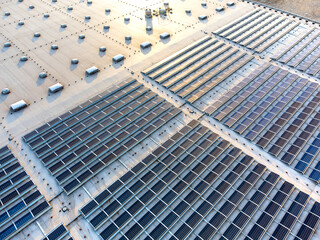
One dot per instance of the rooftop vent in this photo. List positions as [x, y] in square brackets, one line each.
[18, 106]
[220, 9]
[118, 58]
[37, 34]
[102, 49]
[203, 17]
[92, 70]
[7, 44]
[5, 91]
[164, 35]
[63, 25]
[54, 47]
[56, 88]
[127, 38]
[24, 58]
[43, 75]
[82, 36]
[74, 61]
[145, 45]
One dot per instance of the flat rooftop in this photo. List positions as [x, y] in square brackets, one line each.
[179, 140]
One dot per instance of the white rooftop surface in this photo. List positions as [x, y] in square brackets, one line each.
[22, 78]
[57, 63]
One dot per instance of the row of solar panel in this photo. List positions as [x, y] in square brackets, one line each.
[58, 233]
[193, 185]
[258, 30]
[275, 109]
[197, 71]
[303, 53]
[78, 148]
[21, 202]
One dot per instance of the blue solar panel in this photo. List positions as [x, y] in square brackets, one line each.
[19, 196]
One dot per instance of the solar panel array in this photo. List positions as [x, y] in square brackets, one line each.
[199, 68]
[21, 202]
[81, 143]
[279, 111]
[59, 233]
[198, 186]
[258, 30]
[302, 53]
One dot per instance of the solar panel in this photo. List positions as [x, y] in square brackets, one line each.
[170, 197]
[259, 30]
[75, 156]
[21, 202]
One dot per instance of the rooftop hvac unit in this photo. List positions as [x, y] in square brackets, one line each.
[145, 45]
[118, 58]
[43, 75]
[74, 61]
[5, 91]
[219, 9]
[102, 49]
[56, 88]
[18, 106]
[54, 47]
[92, 70]
[24, 58]
[164, 35]
[203, 17]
